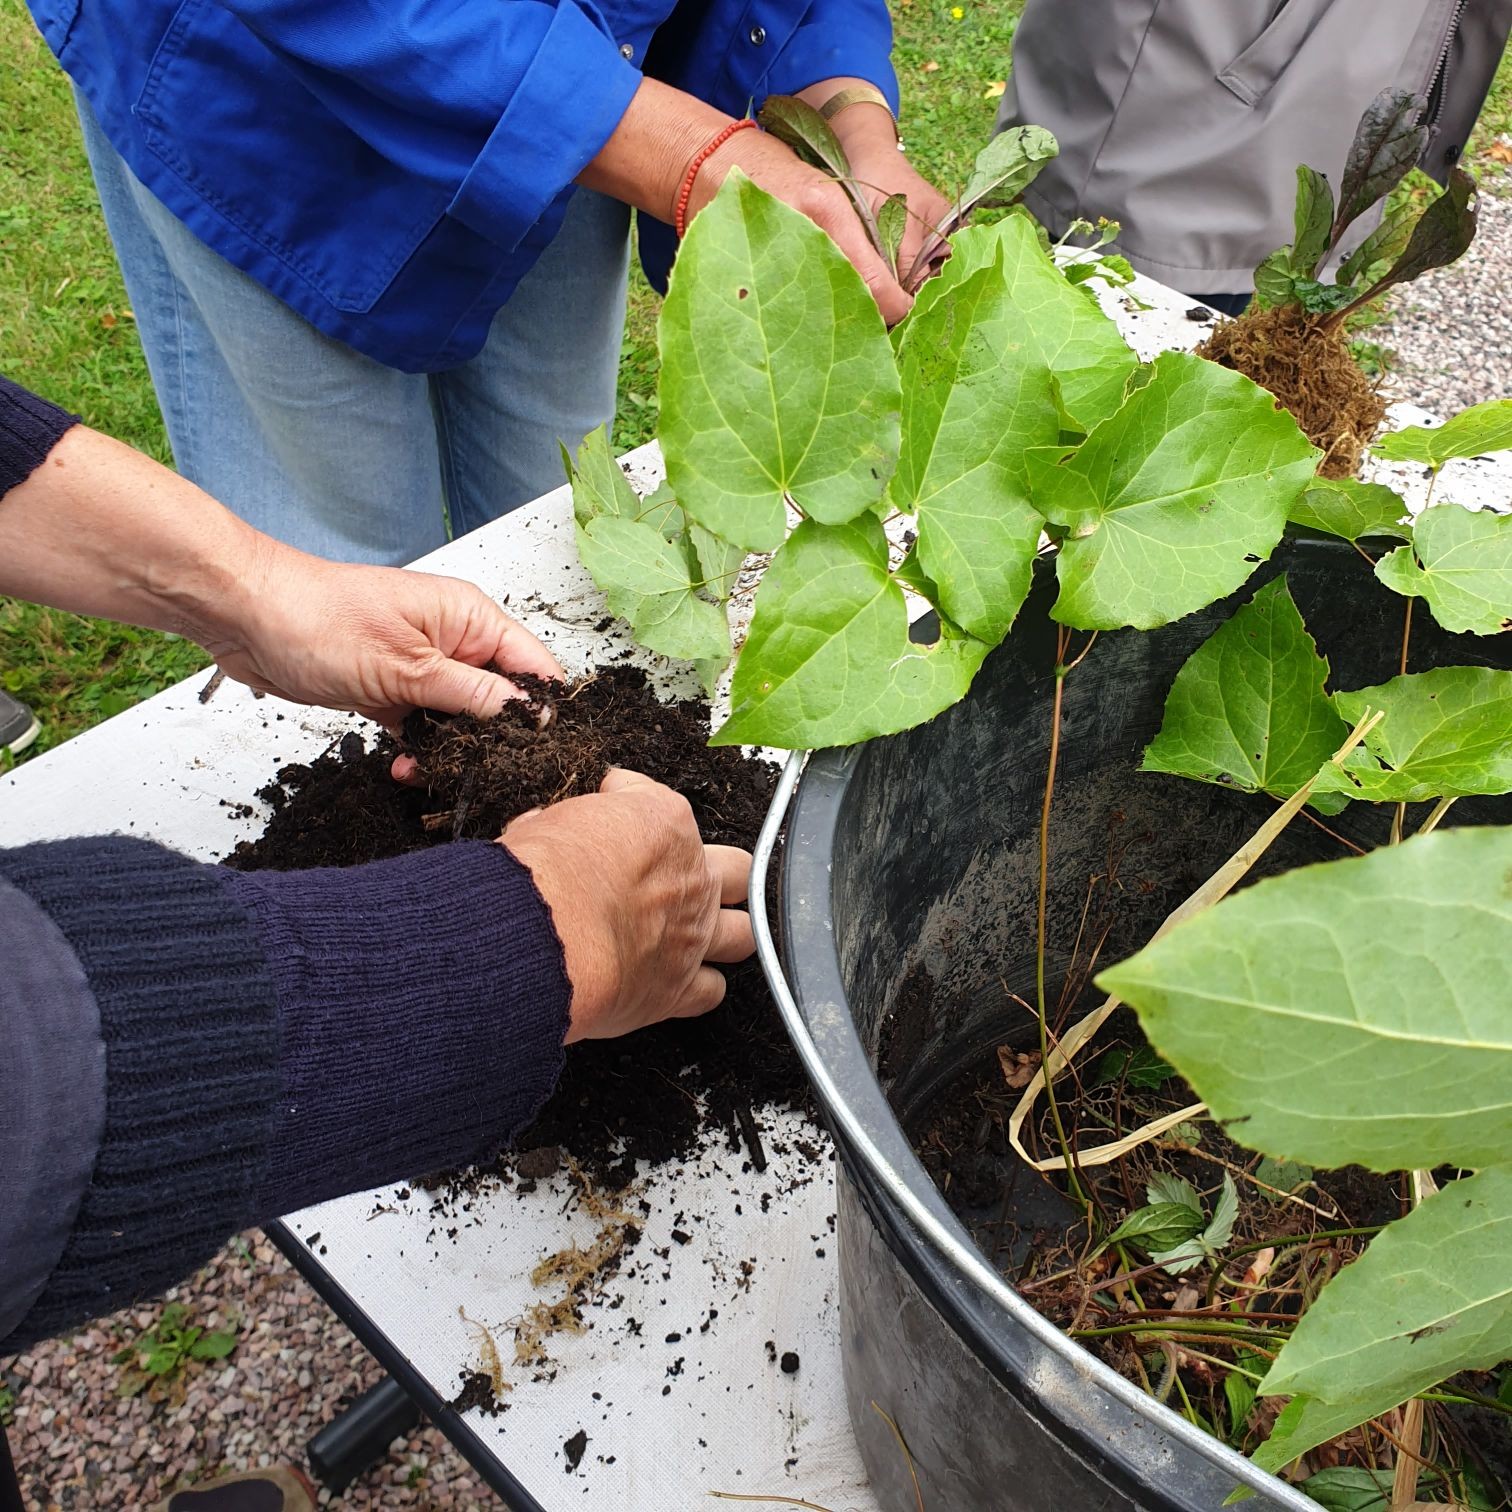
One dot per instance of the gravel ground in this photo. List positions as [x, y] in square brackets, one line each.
[1450, 332]
[79, 1447]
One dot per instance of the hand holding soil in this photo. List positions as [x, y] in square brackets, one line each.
[379, 641]
[641, 905]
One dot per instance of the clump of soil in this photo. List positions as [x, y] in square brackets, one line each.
[650, 1097]
[1306, 363]
[477, 1391]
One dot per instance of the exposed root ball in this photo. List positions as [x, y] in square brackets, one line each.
[1308, 366]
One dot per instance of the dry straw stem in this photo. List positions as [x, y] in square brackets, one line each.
[898, 1434]
[581, 1271]
[769, 1501]
[1218, 886]
[1307, 364]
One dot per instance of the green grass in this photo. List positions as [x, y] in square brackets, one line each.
[66, 328]
[66, 331]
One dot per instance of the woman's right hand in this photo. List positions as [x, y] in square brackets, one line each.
[642, 906]
[785, 176]
[646, 160]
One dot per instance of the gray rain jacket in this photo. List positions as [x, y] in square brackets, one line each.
[1185, 120]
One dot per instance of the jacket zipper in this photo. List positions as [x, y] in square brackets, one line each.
[1437, 92]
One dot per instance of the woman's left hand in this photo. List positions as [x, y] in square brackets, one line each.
[378, 640]
[881, 170]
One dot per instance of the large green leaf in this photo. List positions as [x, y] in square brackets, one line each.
[1447, 734]
[1169, 503]
[1358, 1012]
[1430, 1296]
[1351, 509]
[977, 392]
[1481, 428]
[650, 581]
[828, 660]
[1461, 562]
[777, 379]
[1248, 708]
[1061, 327]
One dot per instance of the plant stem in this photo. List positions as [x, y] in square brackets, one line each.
[1222, 1364]
[864, 215]
[770, 1501]
[1473, 1398]
[1332, 834]
[1278, 1240]
[1399, 820]
[1186, 1401]
[1073, 1179]
[1438, 811]
[1216, 1332]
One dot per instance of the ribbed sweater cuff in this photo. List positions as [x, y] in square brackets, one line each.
[29, 428]
[422, 1006]
[188, 1023]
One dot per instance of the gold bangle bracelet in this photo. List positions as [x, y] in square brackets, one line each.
[857, 94]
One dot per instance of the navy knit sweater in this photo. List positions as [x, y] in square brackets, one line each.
[186, 1050]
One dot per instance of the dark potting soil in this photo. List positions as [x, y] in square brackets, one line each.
[618, 1100]
[1037, 1236]
[478, 1391]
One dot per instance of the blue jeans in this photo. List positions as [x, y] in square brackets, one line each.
[325, 448]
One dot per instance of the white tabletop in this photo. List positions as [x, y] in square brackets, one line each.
[668, 1421]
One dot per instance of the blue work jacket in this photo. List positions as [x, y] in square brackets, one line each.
[391, 168]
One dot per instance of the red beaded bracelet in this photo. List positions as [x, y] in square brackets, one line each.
[680, 221]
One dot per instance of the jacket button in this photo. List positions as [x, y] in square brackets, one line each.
[626, 51]
[758, 35]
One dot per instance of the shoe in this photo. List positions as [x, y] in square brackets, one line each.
[281, 1489]
[18, 725]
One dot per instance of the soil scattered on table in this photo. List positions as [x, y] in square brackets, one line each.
[477, 1391]
[651, 1096]
[1307, 364]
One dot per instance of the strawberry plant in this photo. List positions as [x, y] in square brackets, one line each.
[1351, 1013]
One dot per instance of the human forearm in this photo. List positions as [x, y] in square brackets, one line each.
[262, 1042]
[423, 1005]
[644, 162]
[865, 126]
[101, 529]
[90, 525]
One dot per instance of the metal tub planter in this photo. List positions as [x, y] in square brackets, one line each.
[918, 854]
